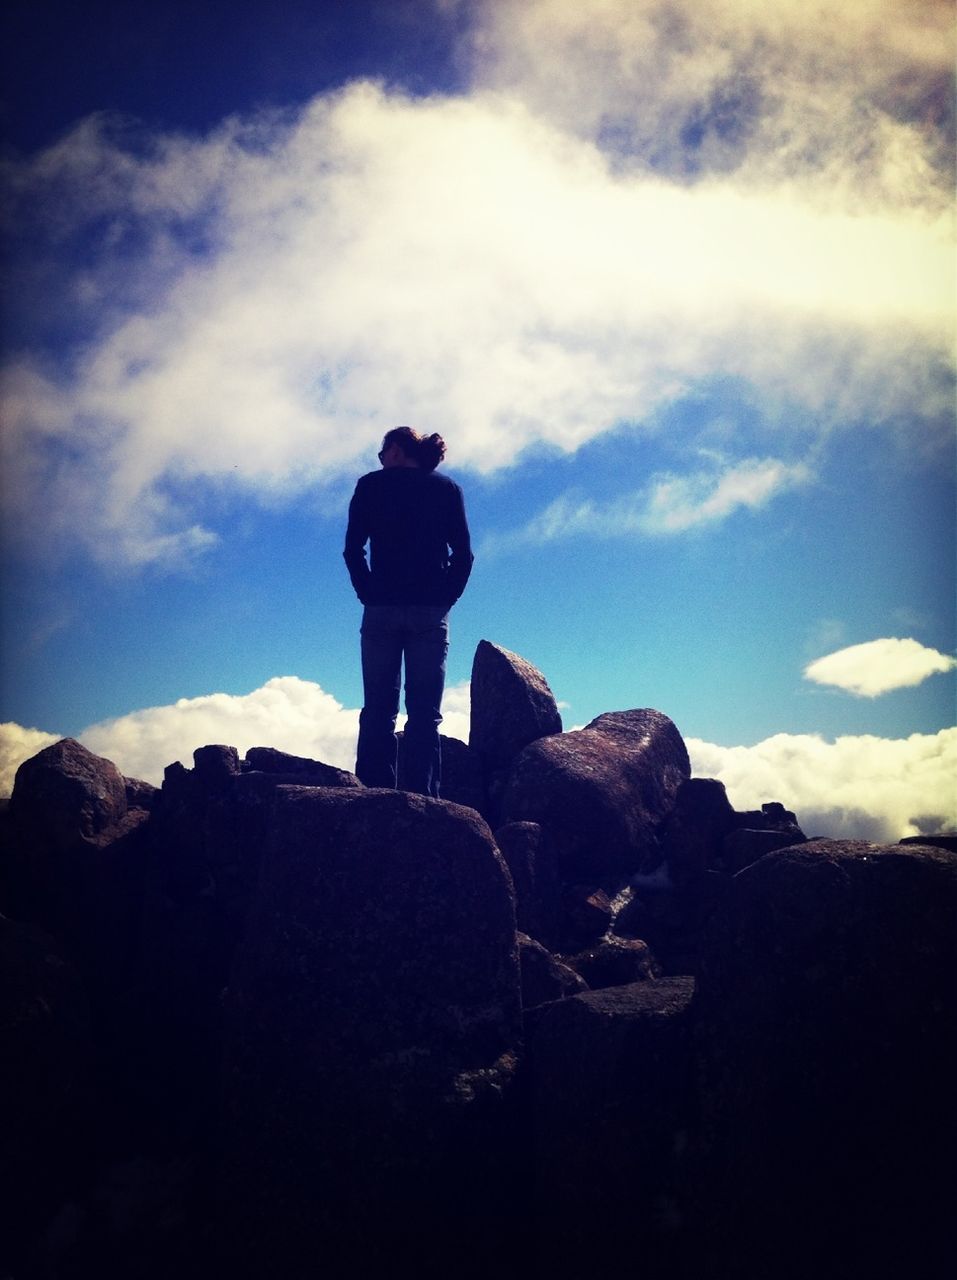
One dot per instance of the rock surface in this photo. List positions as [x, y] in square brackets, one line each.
[544, 976]
[611, 1084]
[792, 1116]
[373, 1018]
[601, 792]
[66, 794]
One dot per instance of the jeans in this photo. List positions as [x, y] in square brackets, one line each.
[420, 634]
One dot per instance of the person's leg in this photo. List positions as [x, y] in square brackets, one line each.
[426, 647]
[381, 679]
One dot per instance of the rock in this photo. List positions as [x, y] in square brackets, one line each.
[75, 861]
[44, 1081]
[512, 705]
[614, 962]
[943, 840]
[300, 769]
[611, 1085]
[139, 794]
[463, 781]
[66, 794]
[742, 847]
[671, 921]
[826, 1028]
[216, 763]
[586, 915]
[692, 834]
[373, 1019]
[544, 976]
[538, 909]
[601, 792]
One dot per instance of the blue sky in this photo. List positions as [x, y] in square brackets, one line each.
[675, 282]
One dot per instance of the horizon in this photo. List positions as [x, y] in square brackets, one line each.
[672, 281]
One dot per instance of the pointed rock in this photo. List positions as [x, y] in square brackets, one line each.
[512, 705]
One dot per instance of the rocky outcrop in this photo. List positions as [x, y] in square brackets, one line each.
[373, 1021]
[279, 1023]
[602, 791]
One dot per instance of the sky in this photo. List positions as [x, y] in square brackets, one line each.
[674, 280]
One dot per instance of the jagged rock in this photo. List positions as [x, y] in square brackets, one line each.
[298, 769]
[601, 792]
[610, 1079]
[463, 781]
[538, 893]
[826, 1023]
[614, 962]
[373, 1018]
[512, 706]
[66, 794]
[692, 834]
[544, 976]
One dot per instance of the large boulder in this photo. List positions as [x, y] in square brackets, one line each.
[512, 705]
[611, 1083]
[65, 794]
[373, 1018]
[75, 862]
[601, 792]
[826, 1024]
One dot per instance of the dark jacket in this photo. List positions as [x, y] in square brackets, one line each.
[414, 521]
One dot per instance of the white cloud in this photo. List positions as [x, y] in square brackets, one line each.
[879, 666]
[293, 715]
[845, 101]
[671, 504]
[16, 745]
[267, 299]
[681, 502]
[860, 787]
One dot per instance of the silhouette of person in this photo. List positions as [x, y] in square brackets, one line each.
[420, 558]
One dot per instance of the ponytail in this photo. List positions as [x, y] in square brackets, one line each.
[427, 451]
[431, 451]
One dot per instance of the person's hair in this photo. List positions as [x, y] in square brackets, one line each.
[427, 451]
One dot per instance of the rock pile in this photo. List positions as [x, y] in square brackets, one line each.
[263, 1020]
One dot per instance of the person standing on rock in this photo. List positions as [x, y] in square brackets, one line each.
[420, 558]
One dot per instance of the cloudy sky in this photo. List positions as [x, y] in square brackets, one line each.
[673, 279]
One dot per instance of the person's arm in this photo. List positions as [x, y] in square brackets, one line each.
[460, 547]
[357, 535]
